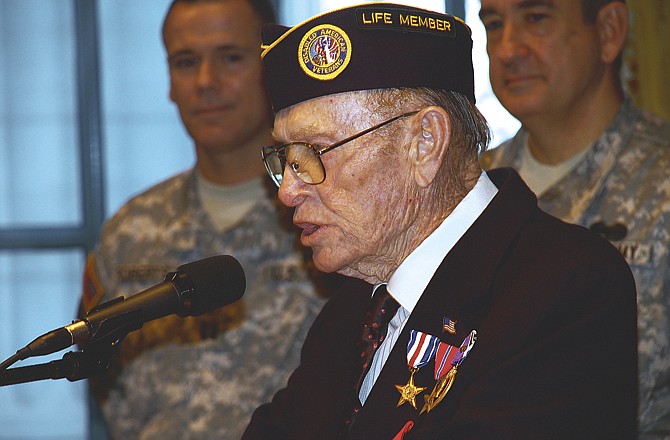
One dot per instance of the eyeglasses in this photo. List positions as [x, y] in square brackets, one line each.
[304, 157]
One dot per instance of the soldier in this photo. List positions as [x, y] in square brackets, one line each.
[590, 155]
[201, 377]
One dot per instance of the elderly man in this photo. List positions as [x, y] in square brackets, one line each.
[504, 321]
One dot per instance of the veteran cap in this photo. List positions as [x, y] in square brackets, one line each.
[370, 46]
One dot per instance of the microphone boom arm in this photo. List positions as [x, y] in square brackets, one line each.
[75, 365]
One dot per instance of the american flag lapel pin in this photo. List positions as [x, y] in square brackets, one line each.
[449, 325]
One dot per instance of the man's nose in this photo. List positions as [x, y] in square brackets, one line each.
[510, 46]
[292, 189]
[207, 77]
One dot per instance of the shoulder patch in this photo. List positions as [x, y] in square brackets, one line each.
[92, 287]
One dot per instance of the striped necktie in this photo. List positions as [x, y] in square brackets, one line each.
[381, 309]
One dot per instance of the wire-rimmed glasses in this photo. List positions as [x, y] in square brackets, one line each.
[304, 157]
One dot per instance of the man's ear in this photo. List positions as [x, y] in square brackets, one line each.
[430, 143]
[612, 25]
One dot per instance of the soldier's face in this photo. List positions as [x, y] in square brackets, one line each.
[215, 72]
[544, 58]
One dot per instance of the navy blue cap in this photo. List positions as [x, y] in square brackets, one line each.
[364, 47]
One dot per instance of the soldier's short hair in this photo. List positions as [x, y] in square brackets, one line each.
[264, 9]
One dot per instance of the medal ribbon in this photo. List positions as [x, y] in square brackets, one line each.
[466, 346]
[445, 355]
[421, 349]
[452, 356]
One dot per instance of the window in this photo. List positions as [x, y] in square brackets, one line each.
[41, 203]
[58, 149]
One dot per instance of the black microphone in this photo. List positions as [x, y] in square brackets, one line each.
[193, 289]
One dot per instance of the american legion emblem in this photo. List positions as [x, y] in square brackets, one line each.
[324, 52]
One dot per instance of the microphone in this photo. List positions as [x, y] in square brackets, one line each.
[193, 289]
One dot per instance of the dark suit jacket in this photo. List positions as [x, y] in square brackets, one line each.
[555, 313]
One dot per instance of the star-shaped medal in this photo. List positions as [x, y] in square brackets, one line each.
[409, 391]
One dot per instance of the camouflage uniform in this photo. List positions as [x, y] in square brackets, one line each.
[199, 378]
[621, 189]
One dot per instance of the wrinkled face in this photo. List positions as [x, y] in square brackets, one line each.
[543, 57]
[215, 72]
[356, 215]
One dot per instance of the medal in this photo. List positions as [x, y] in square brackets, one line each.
[409, 391]
[421, 349]
[447, 355]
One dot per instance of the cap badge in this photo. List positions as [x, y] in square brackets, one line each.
[324, 52]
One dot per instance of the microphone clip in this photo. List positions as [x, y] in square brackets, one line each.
[109, 331]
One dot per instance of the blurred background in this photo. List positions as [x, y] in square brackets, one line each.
[85, 123]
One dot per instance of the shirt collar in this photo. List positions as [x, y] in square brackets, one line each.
[413, 275]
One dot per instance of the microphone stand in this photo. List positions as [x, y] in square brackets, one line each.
[75, 365]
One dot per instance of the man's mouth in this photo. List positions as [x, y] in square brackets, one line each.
[308, 228]
[515, 80]
[212, 109]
